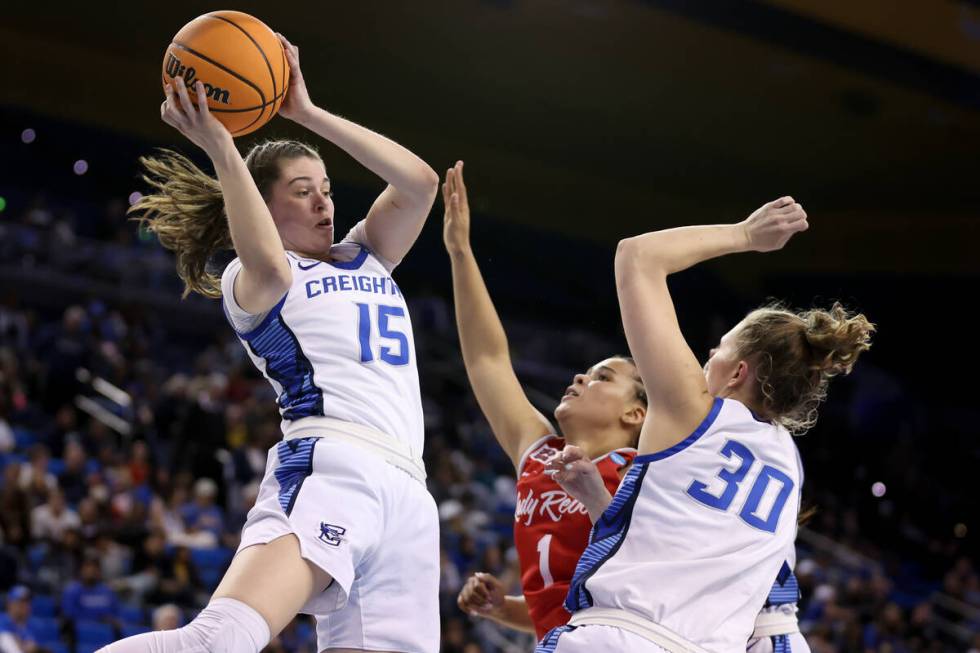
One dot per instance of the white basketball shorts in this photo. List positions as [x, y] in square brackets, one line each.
[370, 525]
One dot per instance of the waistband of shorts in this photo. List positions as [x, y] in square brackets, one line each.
[637, 625]
[394, 452]
[770, 624]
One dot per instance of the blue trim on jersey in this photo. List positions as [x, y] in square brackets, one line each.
[355, 262]
[780, 644]
[295, 465]
[689, 440]
[785, 590]
[549, 642]
[607, 536]
[273, 312]
[288, 366]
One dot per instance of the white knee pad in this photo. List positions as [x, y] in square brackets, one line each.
[225, 626]
[229, 626]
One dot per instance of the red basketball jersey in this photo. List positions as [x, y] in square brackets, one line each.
[551, 529]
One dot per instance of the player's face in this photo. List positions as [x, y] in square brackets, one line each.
[600, 395]
[722, 363]
[302, 207]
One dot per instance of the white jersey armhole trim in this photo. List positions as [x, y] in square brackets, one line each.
[358, 234]
[243, 322]
[689, 440]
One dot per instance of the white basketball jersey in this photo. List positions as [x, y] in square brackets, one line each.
[696, 533]
[339, 344]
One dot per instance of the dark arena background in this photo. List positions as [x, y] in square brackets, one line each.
[133, 429]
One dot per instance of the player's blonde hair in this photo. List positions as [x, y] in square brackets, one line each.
[187, 211]
[796, 354]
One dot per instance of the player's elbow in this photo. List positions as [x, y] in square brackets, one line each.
[627, 256]
[427, 184]
[636, 256]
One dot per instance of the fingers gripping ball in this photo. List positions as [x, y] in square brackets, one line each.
[239, 60]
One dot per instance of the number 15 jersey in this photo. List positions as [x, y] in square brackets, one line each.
[338, 344]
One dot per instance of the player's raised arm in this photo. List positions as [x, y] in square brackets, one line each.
[265, 274]
[396, 218]
[675, 381]
[515, 422]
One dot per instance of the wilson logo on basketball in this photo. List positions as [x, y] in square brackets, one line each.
[176, 69]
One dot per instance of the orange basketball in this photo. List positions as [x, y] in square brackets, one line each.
[241, 63]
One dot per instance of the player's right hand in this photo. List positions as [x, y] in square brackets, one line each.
[194, 122]
[575, 472]
[482, 595]
[456, 220]
[771, 226]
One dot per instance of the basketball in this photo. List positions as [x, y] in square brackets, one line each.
[241, 63]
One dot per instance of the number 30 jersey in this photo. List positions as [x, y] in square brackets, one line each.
[551, 529]
[697, 532]
[339, 344]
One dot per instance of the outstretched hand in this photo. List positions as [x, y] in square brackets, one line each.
[194, 122]
[456, 220]
[771, 226]
[297, 102]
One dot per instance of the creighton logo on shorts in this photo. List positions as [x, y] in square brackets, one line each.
[331, 534]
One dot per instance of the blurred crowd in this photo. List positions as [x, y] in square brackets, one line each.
[130, 454]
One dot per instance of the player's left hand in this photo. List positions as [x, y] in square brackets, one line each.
[481, 596]
[297, 102]
[578, 475]
[456, 220]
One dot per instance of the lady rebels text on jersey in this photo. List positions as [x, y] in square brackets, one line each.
[551, 529]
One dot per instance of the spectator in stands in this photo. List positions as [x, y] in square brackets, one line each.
[89, 599]
[15, 511]
[73, 478]
[50, 520]
[35, 479]
[65, 349]
[180, 581]
[62, 562]
[202, 515]
[167, 617]
[17, 619]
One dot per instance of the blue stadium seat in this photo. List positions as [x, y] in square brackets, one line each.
[92, 631]
[305, 633]
[54, 645]
[36, 554]
[45, 628]
[56, 466]
[128, 630]
[24, 438]
[132, 614]
[210, 576]
[91, 645]
[211, 558]
[44, 606]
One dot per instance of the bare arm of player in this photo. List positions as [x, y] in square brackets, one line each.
[483, 596]
[674, 379]
[486, 355]
[265, 274]
[396, 218]
[580, 477]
